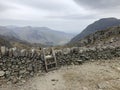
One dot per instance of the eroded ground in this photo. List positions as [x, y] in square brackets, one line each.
[97, 75]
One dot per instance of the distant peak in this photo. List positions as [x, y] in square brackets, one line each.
[98, 25]
[44, 28]
[110, 18]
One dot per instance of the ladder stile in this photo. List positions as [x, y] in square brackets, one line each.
[49, 60]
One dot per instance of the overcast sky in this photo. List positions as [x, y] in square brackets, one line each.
[64, 15]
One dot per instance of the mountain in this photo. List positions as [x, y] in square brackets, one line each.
[10, 42]
[6, 32]
[109, 36]
[41, 35]
[4, 42]
[99, 25]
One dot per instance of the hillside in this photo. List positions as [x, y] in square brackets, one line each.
[99, 25]
[10, 41]
[110, 36]
[4, 42]
[42, 35]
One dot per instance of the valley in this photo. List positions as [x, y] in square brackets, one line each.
[90, 62]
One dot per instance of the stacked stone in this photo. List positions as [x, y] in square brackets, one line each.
[73, 55]
[17, 64]
[67, 56]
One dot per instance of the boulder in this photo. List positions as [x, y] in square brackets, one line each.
[2, 73]
[104, 85]
[3, 50]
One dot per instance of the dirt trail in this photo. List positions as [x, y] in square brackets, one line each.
[98, 75]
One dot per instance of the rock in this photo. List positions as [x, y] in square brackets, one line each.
[103, 85]
[23, 81]
[66, 51]
[32, 74]
[118, 68]
[79, 61]
[14, 80]
[54, 80]
[7, 72]
[30, 68]
[1, 64]
[111, 40]
[8, 83]
[2, 73]
[3, 50]
[22, 71]
[85, 88]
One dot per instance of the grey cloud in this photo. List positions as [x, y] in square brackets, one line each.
[74, 17]
[42, 4]
[3, 7]
[99, 4]
[58, 14]
[81, 17]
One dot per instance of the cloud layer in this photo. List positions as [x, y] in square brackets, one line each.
[99, 4]
[69, 15]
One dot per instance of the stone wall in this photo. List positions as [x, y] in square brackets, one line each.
[84, 54]
[18, 64]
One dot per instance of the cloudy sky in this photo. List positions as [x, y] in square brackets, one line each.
[65, 15]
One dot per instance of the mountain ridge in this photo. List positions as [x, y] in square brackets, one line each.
[98, 25]
[43, 35]
[106, 37]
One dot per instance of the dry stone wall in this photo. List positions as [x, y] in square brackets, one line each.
[18, 64]
[77, 54]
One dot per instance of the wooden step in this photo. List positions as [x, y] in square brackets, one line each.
[51, 63]
[49, 57]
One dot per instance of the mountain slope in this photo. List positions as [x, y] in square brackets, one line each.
[97, 26]
[41, 35]
[110, 36]
[7, 32]
[9, 42]
[4, 42]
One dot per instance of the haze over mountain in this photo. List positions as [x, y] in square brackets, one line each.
[41, 35]
[101, 24]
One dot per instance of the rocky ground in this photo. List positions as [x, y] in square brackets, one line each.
[92, 75]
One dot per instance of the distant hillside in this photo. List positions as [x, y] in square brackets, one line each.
[101, 24]
[4, 42]
[110, 36]
[41, 35]
[10, 41]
